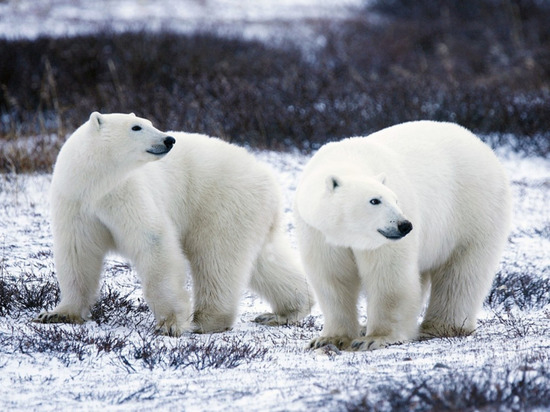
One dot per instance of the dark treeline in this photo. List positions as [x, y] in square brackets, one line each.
[484, 64]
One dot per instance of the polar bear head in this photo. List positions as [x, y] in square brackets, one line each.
[128, 138]
[359, 212]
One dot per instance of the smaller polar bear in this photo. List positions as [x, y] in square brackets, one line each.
[421, 208]
[121, 185]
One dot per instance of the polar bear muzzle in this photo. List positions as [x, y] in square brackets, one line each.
[395, 233]
[161, 149]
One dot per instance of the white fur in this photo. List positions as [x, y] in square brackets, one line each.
[438, 176]
[206, 200]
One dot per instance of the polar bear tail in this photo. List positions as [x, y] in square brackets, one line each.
[279, 277]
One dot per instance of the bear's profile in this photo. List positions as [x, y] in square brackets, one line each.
[119, 184]
[415, 211]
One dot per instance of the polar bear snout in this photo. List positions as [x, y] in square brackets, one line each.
[169, 142]
[404, 227]
[165, 147]
[394, 233]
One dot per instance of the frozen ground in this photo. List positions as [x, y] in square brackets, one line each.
[120, 364]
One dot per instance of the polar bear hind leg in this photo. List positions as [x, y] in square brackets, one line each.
[217, 285]
[458, 288]
[280, 279]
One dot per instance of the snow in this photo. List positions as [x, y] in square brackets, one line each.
[286, 376]
[259, 368]
[249, 18]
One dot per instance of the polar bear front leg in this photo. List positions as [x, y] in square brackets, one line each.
[78, 254]
[167, 299]
[162, 271]
[154, 249]
[143, 233]
[333, 275]
[78, 282]
[337, 292]
[393, 302]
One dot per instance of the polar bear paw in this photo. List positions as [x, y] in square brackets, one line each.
[273, 319]
[58, 317]
[372, 342]
[430, 330]
[341, 342]
[172, 327]
[204, 322]
[173, 330]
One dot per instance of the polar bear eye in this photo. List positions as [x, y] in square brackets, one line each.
[136, 128]
[375, 201]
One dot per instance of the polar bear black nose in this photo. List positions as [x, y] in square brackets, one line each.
[404, 227]
[169, 142]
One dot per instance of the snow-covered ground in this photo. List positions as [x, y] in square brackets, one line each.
[120, 364]
[141, 371]
[249, 18]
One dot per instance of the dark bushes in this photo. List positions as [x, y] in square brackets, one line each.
[224, 353]
[17, 297]
[520, 287]
[486, 389]
[231, 88]
[484, 64]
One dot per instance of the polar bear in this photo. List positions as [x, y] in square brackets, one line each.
[163, 200]
[417, 209]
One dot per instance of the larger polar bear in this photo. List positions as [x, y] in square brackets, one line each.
[120, 184]
[421, 208]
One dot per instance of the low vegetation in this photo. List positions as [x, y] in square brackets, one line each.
[484, 64]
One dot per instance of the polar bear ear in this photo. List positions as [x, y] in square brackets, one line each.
[96, 119]
[381, 178]
[133, 114]
[332, 183]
